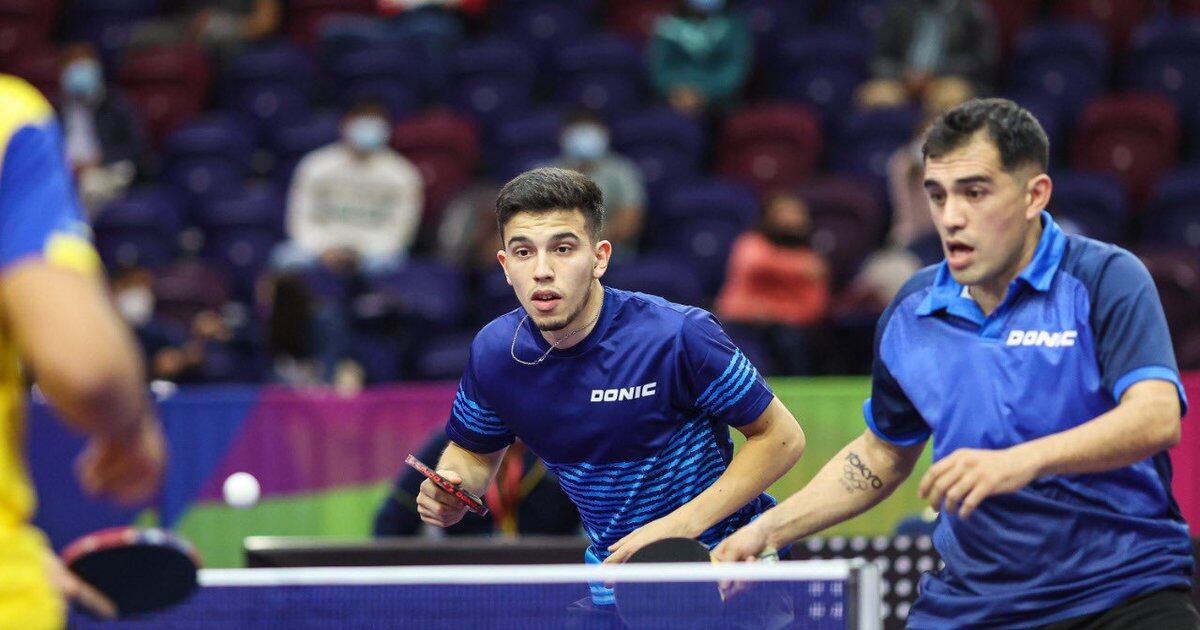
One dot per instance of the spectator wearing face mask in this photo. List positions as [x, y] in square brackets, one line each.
[103, 136]
[585, 148]
[700, 56]
[777, 285]
[355, 204]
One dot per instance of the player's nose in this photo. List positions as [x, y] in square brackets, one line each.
[542, 269]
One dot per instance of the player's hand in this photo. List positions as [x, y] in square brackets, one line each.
[74, 589]
[128, 468]
[668, 526]
[744, 545]
[438, 507]
[967, 476]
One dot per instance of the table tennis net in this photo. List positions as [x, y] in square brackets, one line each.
[813, 594]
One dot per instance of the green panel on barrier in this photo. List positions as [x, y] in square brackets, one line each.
[830, 411]
[217, 530]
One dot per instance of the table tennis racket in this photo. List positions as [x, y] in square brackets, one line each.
[140, 570]
[473, 503]
[653, 604]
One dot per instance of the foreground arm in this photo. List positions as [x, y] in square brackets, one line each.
[864, 473]
[472, 471]
[774, 442]
[1144, 423]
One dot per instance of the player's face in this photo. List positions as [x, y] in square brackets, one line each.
[987, 217]
[553, 266]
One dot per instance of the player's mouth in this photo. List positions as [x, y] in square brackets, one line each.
[959, 255]
[545, 301]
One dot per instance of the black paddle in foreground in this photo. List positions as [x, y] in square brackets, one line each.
[668, 604]
[139, 570]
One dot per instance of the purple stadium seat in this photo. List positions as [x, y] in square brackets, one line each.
[384, 74]
[1133, 136]
[444, 357]
[1174, 215]
[169, 86]
[290, 143]
[667, 146]
[25, 24]
[867, 140]
[445, 147]
[769, 146]
[271, 83]
[493, 298]
[864, 16]
[107, 24]
[821, 67]
[1052, 115]
[848, 222]
[1091, 204]
[698, 223]
[523, 141]
[492, 78]
[1012, 16]
[209, 157]
[1064, 61]
[770, 21]
[141, 228]
[634, 19]
[664, 275]
[1177, 275]
[601, 72]
[428, 292]
[305, 17]
[186, 288]
[1166, 58]
[544, 25]
[240, 233]
[41, 67]
[1117, 18]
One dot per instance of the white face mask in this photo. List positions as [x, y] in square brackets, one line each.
[585, 142]
[367, 133]
[136, 305]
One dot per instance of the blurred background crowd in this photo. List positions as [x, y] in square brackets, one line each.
[301, 191]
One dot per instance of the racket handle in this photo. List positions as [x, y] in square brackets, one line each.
[769, 555]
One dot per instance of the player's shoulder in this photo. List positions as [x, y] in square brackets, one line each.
[1102, 267]
[652, 314]
[21, 105]
[913, 292]
[496, 336]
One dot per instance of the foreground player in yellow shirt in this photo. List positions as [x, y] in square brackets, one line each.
[57, 326]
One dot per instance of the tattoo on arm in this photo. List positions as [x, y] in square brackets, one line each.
[857, 476]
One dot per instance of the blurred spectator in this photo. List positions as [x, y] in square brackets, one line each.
[777, 284]
[937, 52]
[585, 148]
[103, 135]
[354, 204]
[911, 219]
[700, 56]
[525, 498]
[468, 236]
[222, 26]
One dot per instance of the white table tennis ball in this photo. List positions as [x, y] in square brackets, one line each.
[241, 490]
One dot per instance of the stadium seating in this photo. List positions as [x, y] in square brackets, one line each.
[271, 83]
[1133, 136]
[1118, 18]
[209, 157]
[290, 143]
[600, 72]
[667, 146]
[525, 140]
[25, 24]
[381, 74]
[142, 228]
[1166, 58]
[169, 85]
[821, 67]
[769, 146]
[847, 221]
[492, 78]
[1173, 218]
[1063, 61]
[1091, 204]
[634, 19]
[445, 147]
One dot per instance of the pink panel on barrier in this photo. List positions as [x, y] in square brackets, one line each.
[302, 442]
[1186, 456]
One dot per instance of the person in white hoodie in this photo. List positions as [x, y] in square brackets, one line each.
[355, 203]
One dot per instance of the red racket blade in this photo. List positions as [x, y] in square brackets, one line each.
[140, 570]
[473, 503]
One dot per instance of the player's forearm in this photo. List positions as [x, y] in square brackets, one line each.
[863, 474]
[476, 469]
[761, 461]
[1146, 422]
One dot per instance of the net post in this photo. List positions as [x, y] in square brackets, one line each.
[863, 596]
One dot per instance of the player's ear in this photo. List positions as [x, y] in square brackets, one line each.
[1037, 195]
[603, 255]
[502, 256]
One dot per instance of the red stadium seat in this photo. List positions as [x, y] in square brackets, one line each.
[1177, 276]
[445, 147]
[635, 18]
[1185, 7]
[305, 17]
[25, 24]
[1118, 18]
[770, 146]
[1133, 136]
[1011, 17]
[41, 67]
[848, 220]
[169, 86]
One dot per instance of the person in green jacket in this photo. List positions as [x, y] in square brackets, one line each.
[700, 56]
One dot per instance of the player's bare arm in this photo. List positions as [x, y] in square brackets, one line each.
[864, 473]
[1144, 423]
[87, 364]
[473, 471]
[774, 443]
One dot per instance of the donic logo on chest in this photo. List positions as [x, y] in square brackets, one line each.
[624, 393]
[1064, 339]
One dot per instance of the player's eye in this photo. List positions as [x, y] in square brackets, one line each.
[521, 253]
[937, 197]
[976, 194]
[563, 249]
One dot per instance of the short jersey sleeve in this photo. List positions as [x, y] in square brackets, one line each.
[720, 382]
[39, 214]
[889, 412]
[1130, 330]
[473, 425]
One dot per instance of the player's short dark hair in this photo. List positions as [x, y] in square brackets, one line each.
[550, 189]
[1016, 133]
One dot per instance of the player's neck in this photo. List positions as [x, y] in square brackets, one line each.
[588, 317]
[989, 295]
